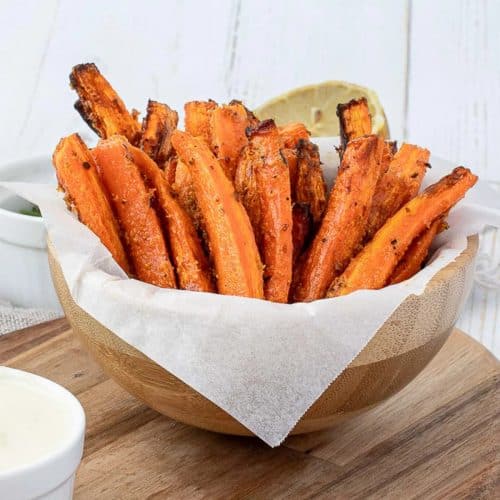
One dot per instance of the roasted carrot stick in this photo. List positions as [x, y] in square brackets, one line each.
[373, 266]
[416, 254]
[398, 185]
[355, 120]
[157, 129]
[344, 222]
[191, 264]
[310, 187]
[228, 135]
[292, 133]
[272, 184]
[77, 175]
[197, 119]
[137, 218]
[301, 229]
[100, 106]
[232, 243]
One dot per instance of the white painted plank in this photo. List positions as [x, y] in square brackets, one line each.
[454, 81]
[26, 31]
[453, 105]
[283, 44]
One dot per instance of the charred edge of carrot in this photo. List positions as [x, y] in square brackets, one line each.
[100, 106]
[234, 251]
[416, 254]
[191, 264]
[245, 185]
[135, 212]
[273, 184]
[77, 175]
[373, 266]
[228, 126]
[157, 128]
[354, 120]
[310, 186]
[290, 158]
[344, 221]
[398, 185]
[170, 169]
[252, 119]
[301, 229]
[292, 133]
[197, 118]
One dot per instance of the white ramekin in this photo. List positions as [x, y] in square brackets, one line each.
[24, 274]
[52, 476]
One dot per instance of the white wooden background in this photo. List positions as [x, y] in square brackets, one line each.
[435, 65]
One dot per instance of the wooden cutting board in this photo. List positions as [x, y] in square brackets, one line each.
[437, 438]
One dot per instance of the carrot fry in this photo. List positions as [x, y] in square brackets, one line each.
[197, 119]
[344, 222]
[310, 187]
[271, 193]
[137, 218]
[373, 266]
[236, 258]
[416, 254]
[157, 129]
[398, 185]
[228, 133]
[191, 264]
[100, 106]
[355, 120]
[77, 175]
[292, 133]
[301, 228]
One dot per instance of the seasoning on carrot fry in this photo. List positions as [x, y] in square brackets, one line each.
[191, 264]
[398, 185]
[301, 229]
[157, 129]
[292, 133]
[100, 106]
[137, 218]
[373, 266]
[197, 119]
[416, 254]
[232, 243]
[228, 135]
[344, 222]
[77, 175]
[355, 120]
[310, 187]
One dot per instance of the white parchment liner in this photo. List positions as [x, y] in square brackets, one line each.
[263, 363]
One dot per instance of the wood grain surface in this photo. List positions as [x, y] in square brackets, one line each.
[437, 438]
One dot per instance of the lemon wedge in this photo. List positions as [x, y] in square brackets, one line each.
[316, 107]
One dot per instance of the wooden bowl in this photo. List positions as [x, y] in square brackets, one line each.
[399, 351]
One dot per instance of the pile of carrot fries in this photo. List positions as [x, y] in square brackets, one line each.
[239, 206]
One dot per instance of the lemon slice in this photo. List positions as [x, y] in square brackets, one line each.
[316, 107]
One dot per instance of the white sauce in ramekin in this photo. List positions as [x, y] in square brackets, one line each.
[34, 421]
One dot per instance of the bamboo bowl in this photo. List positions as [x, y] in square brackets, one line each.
[386, 365]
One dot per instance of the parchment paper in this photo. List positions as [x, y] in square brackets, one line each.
[263, 363]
